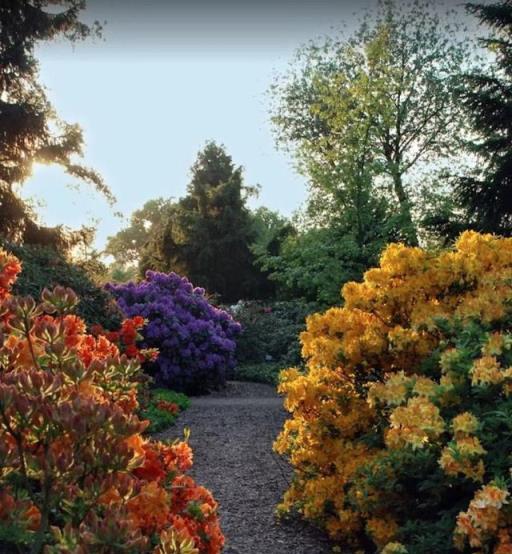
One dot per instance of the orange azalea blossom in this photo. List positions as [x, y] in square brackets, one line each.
[482, 518]
[126, 338]
[178, 457]
[167, 406]
[74, 329]
[212, 540]
[129, 402]
[90, 348]
[136, 442]
[10, 267]
[504, 542]
[150, 508]
[33, 517]
[68, 410]
[153, 467]
[111, 496]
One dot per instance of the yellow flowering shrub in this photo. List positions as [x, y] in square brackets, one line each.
[404, 412]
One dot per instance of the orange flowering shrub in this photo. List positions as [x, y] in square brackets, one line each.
[76, 476]
[127, 337]
[400, 431]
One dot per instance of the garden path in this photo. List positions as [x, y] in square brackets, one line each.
[232, 434]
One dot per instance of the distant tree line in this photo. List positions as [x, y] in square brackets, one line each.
[403, 131]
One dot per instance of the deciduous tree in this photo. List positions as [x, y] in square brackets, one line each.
[363, 115]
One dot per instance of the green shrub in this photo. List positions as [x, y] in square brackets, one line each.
[270, 331]
[160, 418]
[45, 267]
[259, 373]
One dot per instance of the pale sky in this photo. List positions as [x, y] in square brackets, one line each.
[168, 76]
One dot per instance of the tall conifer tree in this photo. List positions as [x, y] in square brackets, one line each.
[486, 194]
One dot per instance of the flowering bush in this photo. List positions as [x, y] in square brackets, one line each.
[76, 476]
[126, 339]
[401, 428]
[160, 407]
[196, 341]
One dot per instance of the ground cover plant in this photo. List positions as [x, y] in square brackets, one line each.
[162, 407]
[400, 434]
[76, 475]
[196, 340]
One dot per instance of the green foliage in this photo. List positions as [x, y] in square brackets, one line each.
[14, 533]
[315, 263]
[486, 193]
[363, 115]
[259, 373]
[128, 244]
[162, 419]
[270, 231]
[30, 130]
[120, 273]
[46, 268]
[270, 331]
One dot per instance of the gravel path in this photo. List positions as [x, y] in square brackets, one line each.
[232, 434]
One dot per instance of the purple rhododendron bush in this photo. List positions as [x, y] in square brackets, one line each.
[195, 339]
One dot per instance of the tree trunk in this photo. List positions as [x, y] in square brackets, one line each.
[405, 207]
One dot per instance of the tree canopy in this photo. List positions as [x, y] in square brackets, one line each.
[30, 129]
[362, 115]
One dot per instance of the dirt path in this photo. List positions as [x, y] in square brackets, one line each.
[232, 434]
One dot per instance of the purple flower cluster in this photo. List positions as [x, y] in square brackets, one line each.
[196, 340]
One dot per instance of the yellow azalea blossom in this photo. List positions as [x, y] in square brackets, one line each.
[393, 392]
[449, 359]
[415, 424]
[424, 386]
[486, 371]
[363, 375]
[465, 423]
[455, 461]
[394, 548]
[495, 345]
[470, 446]
[483, 517]
[382, 530]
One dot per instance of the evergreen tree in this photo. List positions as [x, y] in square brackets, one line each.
[486, 194]
[218, 228]
[206, 235]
